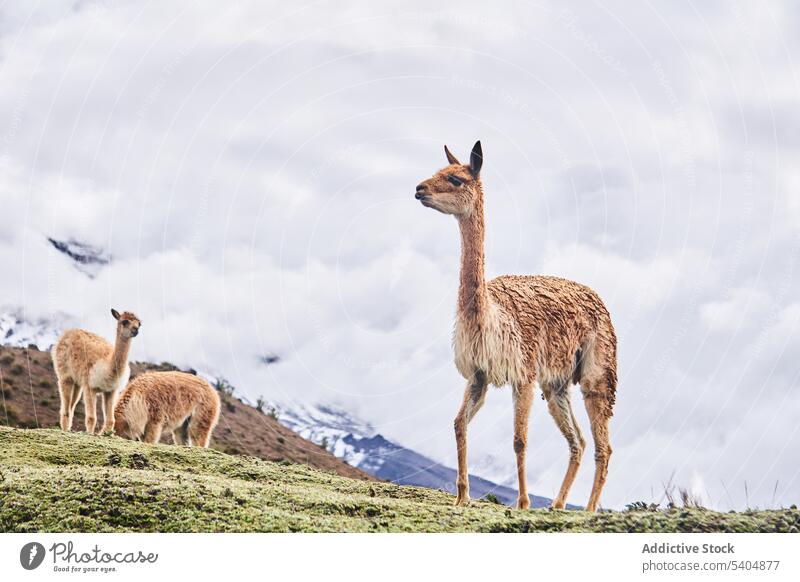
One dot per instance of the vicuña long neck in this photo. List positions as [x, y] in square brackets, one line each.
[473, 297]
[119, 359]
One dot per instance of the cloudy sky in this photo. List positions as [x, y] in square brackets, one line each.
[251, 169]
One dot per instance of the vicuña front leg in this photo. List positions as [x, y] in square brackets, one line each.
[152, 432]
[90, 404]
[558, 403]
[523, 399]
[474, 396]
[109, 399]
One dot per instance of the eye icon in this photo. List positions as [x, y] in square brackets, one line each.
[31, 555]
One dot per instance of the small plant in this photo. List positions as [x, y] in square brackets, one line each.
[230, 406]
[7, 359]
[11, 417]
[260, 403]
[45, 383]
[138, 461]
[17, 369]
[224, 387]
[273, 413]
[691, 500]
[492, 498]
[324, 444]
[281, 440]
[641, 506]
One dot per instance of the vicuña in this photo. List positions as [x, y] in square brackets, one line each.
[175, 401]
[524, 330]
[88, 365]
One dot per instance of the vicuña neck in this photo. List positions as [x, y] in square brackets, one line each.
[473, 298]
[119, 359]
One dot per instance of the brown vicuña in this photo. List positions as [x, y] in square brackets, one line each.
[523, 331]
[88, 365]
[175, 401]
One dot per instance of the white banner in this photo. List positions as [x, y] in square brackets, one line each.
[333, 557]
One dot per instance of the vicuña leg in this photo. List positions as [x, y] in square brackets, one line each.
[474, 396]
[558, 403]
[200, 428]
[523, 399]
[70, 395]
[109, 399]
[177, 436]
[152, 432]
[180, 435]
[90, 404]
[599, 414]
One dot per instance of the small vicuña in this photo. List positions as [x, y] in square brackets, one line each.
[175, 401]
[87, 364]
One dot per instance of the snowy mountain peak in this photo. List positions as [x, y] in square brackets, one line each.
[20, 332]
[88, 259]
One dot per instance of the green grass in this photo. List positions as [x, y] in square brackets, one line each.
[53, 481]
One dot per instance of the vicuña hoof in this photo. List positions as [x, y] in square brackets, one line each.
[523, 503]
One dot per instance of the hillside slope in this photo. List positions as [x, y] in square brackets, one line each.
[54, 482]
[29, 399]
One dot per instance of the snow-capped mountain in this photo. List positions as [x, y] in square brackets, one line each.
[18, 331]
[88, 259]
[329, 426]
[357, 443]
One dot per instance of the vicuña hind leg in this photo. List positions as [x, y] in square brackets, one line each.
[599, 410]
[523, 399]
[108, 400]
[558, 403]
[180, 436]
[474, 396]
[200, 429]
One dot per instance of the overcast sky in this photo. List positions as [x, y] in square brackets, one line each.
[251, 169]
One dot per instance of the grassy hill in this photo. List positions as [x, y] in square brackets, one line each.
[29, 399]
[54, 481]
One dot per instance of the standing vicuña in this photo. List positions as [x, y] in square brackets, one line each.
[87, 364]
[175, 401]
[522, 331]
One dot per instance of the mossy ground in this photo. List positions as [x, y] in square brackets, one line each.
[53, 481]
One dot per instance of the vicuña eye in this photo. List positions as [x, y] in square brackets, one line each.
[454, 181]
[125, 322]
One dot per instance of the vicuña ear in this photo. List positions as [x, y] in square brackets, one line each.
[450, 157]
[476, 159]
[115, 313]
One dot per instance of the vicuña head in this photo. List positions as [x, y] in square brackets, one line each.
[455, 189]
[127, 323]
